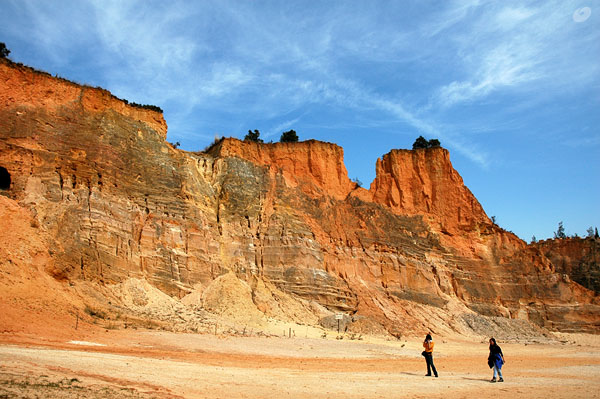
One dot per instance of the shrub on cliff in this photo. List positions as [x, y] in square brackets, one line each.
[4, 52]
[421, 142]
[560, 232]
[154, 108]
[289, 137]
[434, 143]
[253, 136]
[590, 232]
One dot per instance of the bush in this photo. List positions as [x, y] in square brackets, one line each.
[218, 139]
[590, 232]
[421, 142]
[4, 52]
[147, 106]
[434, 143]
[560, 233]
[289, 137]
[253, 136]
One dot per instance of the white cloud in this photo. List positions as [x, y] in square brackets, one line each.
[516, 48]
[448, 18]
[503, 67]
[510, 17]
[222, 80]
[280, 128]
[432, 131]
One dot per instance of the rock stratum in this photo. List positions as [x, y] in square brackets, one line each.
[97, 204]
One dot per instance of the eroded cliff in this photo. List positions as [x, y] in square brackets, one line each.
[578, 258]
[116, 202]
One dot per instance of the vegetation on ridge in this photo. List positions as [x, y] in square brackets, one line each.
[289, 137]
[421, 142]
[4, 52]
[560, 233]
[253, 136]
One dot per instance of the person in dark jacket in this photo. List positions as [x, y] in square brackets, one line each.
[496, 360]
[428, 353]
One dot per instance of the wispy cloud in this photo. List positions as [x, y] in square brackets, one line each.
[505, 66]
[584, 142]
[429, 129]
[351, 94]
[516, 48]
[447, 18]
[280, 128]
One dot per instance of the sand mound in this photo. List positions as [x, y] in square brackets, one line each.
[231, 298]
[142, 299]
[227, 301]
[194, 298]
[141, 296]
[279, 305]
[505, 329]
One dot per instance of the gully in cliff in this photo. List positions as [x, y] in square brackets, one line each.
[428, 354]
[496, 360]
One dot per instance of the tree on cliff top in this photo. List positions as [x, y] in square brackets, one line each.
[421, 142]
[253, 136]
[560, 233]
[4, 52]
[289, 137]
[434, 143]
[590, 232]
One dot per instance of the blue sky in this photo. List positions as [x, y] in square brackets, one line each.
[511, 88]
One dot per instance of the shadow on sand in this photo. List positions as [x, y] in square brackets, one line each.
[476, 379]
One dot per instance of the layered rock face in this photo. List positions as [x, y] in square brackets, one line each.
[117, 202]
[579, 258]
[423, 182]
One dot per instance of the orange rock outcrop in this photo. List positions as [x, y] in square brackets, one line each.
[24, 87]
[423, 182]
[315, 166]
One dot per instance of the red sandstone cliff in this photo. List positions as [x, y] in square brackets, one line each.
[316, 166]
[416, 251]
[25, 88]
[423, 182]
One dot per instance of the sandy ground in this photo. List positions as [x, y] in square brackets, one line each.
[157, 364]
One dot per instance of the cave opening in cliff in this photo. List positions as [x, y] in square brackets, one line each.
[4, 179]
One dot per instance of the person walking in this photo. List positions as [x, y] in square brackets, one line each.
[428, 353]
[496, 360]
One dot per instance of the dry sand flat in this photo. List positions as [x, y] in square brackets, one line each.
[164, 364]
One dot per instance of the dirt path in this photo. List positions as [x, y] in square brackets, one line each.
[161, 364]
